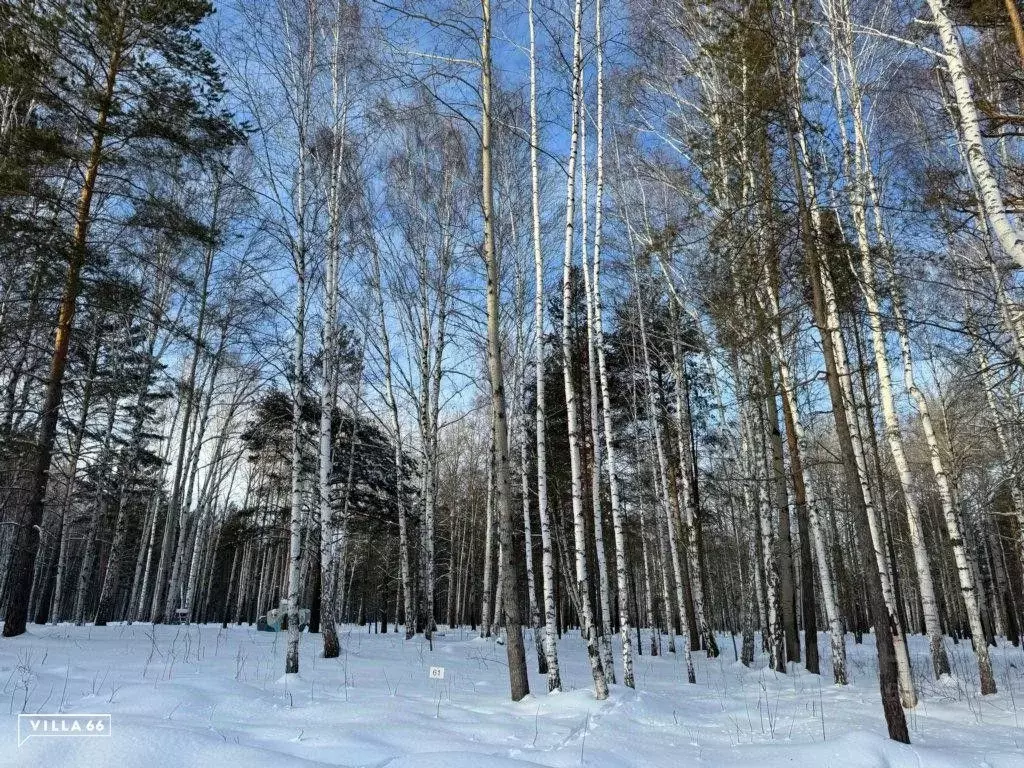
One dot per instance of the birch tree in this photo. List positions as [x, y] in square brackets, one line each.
[502, 487]
[588, 628]
[547, 557]
[1006, 231]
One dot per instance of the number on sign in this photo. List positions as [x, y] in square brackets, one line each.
[437, 673]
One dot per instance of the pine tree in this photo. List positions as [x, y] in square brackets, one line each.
[133, 102]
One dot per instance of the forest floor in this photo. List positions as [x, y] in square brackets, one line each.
[203, 696]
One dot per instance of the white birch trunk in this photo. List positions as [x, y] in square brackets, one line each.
[668, 612]
[295, 525]
[75, 455]
[947, 498]
[297, 432]
[157, 612]
[595, 316]
[99, 509]
[595, 431]
[1007, 233]
[524, 464]
[572, 408]
[908, 695]
[766, 530]
[148, 532]
[543, 513]
[499, 597]
[857, 165]
[329, 544]
[486, 615]
[940, 661]
[648, 588]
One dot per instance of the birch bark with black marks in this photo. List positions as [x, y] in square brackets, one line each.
[589, 630]
[1007, 233]
[543, 512]
[857, 165]
[596, 319]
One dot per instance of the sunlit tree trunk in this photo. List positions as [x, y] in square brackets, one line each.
[601, 561]
[297, 437]
[596, 317]
[486, 613]
[947, 496]
[589, 630]
[514, 647]
[543, 513]
[888, 633]
[856, 165]
[1007, 233]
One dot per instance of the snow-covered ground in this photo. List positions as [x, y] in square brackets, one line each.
[203, 696]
